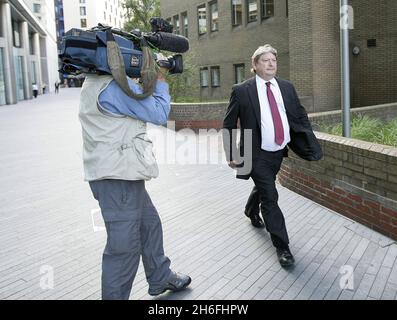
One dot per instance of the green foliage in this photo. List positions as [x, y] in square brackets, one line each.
[368, 129]
[388, 134]
[139, 13]
[181, 85]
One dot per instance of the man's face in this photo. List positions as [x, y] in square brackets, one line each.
[266, 66]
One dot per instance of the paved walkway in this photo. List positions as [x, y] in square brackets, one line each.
[46, 225]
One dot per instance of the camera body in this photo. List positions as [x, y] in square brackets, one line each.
[86, 51]
[159, 25]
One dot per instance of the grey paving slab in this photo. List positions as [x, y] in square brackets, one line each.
[45, 221]
[360, 268]
[390, 292]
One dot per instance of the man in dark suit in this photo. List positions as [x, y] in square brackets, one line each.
[269, 110]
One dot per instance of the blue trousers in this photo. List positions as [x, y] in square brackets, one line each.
[133, 229]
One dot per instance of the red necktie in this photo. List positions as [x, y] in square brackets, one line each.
[278, 124]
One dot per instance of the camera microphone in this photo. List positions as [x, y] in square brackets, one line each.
[169, 42]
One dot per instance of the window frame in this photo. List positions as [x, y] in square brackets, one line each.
[201, 78]
[176, 24]
[85, 22]
[234, 24]
[264, 4]
[211, 16]
[83, 11]
[202, 6]
[185, 27]
[236, 66]
[247, 3]
[213, 68]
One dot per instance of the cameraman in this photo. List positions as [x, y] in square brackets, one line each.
[118, 159]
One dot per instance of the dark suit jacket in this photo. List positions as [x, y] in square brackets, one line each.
[244, 106]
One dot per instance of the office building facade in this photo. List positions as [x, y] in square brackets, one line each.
[28, 53]
[85, 14]
[224, 34]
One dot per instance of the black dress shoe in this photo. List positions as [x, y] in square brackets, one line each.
[285, 258]
[256, 221]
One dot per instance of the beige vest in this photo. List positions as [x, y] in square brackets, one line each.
[114, 146]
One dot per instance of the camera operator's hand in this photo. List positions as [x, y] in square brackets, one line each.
[162, 73]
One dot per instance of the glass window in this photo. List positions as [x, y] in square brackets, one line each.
[1, 25]
[33, 71]
[267, 8]
[214, 16]
[19, 77]
[31, 47]
[83, 23]
[252, 10]
[239, 73]
[176, 25]
[170, 21]
[237, 13]
[2, 83]
[36, 7]
[286, 5]
[83, 11]
[185, 24]
[204, 77]
[215, 77]
[202, 19]
[16, 34]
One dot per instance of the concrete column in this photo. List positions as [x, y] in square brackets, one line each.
[36, 49]
[27, 82]
[9, 68]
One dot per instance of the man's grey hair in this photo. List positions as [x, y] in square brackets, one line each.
[267, 48]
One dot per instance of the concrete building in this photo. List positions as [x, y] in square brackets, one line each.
[28, 52]
[224, 33]
[85, 14]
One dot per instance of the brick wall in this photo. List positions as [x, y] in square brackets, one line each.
[301, 48]
[211, 115]
[198, 116]
[374, 76]
[357, 179]
[314, 53]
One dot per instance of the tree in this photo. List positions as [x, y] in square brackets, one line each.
[139, 13]
[181, 85]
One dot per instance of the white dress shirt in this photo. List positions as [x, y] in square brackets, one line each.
[268, 135]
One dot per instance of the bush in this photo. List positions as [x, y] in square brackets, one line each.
[368, 129]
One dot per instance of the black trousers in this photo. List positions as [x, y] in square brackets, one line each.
[264, 173]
